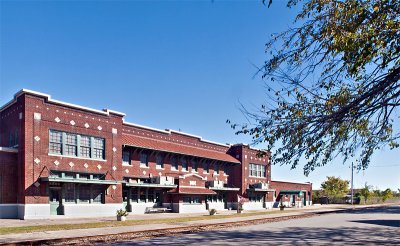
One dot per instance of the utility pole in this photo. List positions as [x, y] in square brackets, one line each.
[352, 169]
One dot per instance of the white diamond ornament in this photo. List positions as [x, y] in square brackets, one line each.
[57, 120]
[37, 138]
[86, 125]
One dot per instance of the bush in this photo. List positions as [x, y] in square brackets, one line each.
[122, 212]
[212, 211]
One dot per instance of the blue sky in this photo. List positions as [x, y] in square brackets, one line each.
[167, 64]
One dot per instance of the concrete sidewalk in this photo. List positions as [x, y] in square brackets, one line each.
[49, 235]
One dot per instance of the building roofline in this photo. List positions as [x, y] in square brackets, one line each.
[169, 131]
[49, 99]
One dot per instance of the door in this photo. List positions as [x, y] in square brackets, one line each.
[55, 201]
[158, 196]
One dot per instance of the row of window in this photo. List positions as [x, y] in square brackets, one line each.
[140, 195]
[191, 200]
[71, 144]
[144, 162]
[256, 170]
[256, 197]
[78, 193]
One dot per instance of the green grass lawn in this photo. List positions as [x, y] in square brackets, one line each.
[58, 227]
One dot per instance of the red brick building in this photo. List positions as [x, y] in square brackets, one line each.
[58, 158]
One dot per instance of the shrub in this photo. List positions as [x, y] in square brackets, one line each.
[212, 211]
[122, 212]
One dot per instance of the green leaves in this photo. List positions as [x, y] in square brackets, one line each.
[333, 84]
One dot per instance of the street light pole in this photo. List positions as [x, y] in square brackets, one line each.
[352, 183]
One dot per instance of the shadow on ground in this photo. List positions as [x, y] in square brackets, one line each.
[393, 223]
[292, 236]
[371, 210]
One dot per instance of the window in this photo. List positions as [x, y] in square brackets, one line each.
[184, 164]
[126, 157]
[84, 193]
[85, 146]
[97, 194]
[257, 170]
[69, 190]
[159, 161]
[186, 200]
[205, 167]
[70, 144]
[216, 169]
[143, 160]
[174, 163]
[194, 166]
[98, 148]
[226, 169]
[55, 142]
[16, 138]
[10, 140]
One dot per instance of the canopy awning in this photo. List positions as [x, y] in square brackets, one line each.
[192, 191]
[149, 185]
[160, 145]
[79, 181]
[224, 188]
[291, 192]
[262, 190]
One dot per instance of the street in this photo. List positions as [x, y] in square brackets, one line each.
[371, 226]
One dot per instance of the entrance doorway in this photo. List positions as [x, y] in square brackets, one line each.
[55, 200]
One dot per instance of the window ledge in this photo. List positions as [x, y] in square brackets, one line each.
[144, 167]
[76, 157]
[126, 165]
[160, 168]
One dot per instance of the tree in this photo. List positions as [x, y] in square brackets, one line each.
[386, 194]
[335, 187]
[332, 84]
[365, 192]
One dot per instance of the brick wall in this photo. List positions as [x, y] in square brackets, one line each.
[8, 174]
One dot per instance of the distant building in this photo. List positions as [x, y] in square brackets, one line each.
[58, 158]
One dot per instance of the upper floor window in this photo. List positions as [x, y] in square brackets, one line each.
[184, 164]
[216, 169]
[71, 144]
[205, 167]
[174, 163]
[257, 170]
[98, 148]
[226, 169]
[159, 161]
[194, 166]
[143, 160]
[55, 142]
[126, 157]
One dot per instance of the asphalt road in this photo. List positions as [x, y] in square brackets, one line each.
[372, 226]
